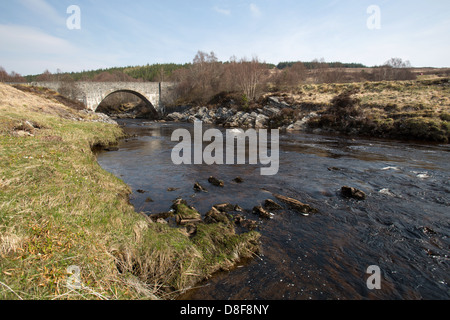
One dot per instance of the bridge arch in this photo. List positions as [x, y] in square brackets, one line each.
[93, 93]
[134, 92]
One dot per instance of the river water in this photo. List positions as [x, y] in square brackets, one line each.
[403, 226]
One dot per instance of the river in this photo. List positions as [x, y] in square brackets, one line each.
[403, 226]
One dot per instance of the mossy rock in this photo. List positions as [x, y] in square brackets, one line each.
[184, 211]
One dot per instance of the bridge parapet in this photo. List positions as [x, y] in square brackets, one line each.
[93, 93]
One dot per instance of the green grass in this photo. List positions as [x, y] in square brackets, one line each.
[59, 208]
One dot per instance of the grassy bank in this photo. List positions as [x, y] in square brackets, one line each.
[407, 110]
[58, 209]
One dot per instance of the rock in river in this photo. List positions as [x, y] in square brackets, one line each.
[216, 182]
[296, 205]
[263, 213]
[349, 192]
[199, 188]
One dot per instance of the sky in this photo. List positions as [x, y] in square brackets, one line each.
[36, 35]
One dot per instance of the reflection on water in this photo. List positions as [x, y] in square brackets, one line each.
[403, 226]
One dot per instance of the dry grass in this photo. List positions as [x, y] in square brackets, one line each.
[426, 93]
[418, 109]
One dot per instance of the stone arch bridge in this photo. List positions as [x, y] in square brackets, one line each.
[93, 93]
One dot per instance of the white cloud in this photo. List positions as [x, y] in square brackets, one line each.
[254, 9]
[222, 11]
[29, 50]
[22, 39]
[42, 9]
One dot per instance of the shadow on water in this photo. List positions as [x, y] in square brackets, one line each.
[402, 227]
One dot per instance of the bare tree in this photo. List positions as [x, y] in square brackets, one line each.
[249, 76]
[13, 77]
[319, 70]
[3, 75]
[393, 69]
[207, 77]
[397, 63]
[202, 80]
[46, 76]
[290, 76]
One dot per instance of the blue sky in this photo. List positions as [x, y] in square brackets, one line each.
[34, 35]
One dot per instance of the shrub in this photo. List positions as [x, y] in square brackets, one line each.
[445, 116]
[422, 129]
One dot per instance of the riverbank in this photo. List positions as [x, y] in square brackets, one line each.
[60, 211]
[404, 110]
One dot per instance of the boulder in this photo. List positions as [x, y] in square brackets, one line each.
[202, 112]
[270, 111]
[275, 102]
[301, 125]
[297, 126]
[207, 119]
[176, 116]
[261, 121]
[193, 119]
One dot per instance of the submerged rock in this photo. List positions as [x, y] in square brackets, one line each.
[238, 180]
[160, 216]
[216, 216]
[349, 192]
[199, 188]
[227, 207]
[111, 149]
[296, 205]
[263, 213]
[245, 223]
[272, 205]
[216, 182]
